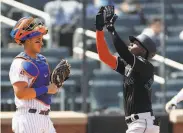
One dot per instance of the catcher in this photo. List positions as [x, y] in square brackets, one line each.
[172, 104]
[30, 77]
[138, 72]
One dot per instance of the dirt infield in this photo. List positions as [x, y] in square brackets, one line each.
[176, 117]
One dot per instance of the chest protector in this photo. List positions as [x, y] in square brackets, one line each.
[43, 74]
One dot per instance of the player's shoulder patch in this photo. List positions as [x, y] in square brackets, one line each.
[30, 68]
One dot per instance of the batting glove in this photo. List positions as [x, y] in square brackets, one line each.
[100, 19]
[110, 18]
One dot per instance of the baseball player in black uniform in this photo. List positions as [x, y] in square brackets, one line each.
[138, 72]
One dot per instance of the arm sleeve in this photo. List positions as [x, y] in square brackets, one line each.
[138, 64]
[103, 51]
[122, 49]
[17, 74]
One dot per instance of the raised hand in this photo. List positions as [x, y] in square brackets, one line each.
[100, 19]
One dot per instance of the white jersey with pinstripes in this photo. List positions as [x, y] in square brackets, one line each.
[17, 74]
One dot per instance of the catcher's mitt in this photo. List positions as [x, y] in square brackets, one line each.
[60, 73]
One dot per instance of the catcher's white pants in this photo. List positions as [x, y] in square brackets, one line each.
[25, 122]
[143, 125]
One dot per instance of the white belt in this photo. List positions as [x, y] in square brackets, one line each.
[141, 116]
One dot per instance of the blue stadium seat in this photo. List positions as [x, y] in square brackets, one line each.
[123, 31]
[174, 31]
[171, 84]
[4, 75]
[152, 8]
[60, 52]
[177, 75]
[180, 19]
[174, 41]
[5, 63]
[76, 75]
[11, 52]
[178, 8]
[139, 29]
[104, 93]
[169, 18]
[175, 53]
[106, 75]
[172, 87]
[6, 86]
[70, 86]
[174, 84]
[77, 63]
[157, 107]
[128, 20]
[53, 62]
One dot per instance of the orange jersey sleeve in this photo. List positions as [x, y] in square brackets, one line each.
[103, 51]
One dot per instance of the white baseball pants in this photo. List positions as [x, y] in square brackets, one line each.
[143, 125]
[25, 122]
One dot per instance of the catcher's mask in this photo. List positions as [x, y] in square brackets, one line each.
[147, 43]
[26, 28]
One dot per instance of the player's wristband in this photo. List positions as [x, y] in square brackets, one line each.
[41, 90]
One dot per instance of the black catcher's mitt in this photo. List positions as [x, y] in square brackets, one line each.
[60, 73]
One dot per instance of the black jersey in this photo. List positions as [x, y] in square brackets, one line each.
[137, 85]
[138, 78]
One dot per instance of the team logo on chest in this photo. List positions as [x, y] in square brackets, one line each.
[45, 75]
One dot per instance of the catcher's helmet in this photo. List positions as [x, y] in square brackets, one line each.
[147, 43]
[26, 28]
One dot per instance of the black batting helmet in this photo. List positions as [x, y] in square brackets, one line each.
[147, 43]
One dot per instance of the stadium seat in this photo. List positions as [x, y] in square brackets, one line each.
[11, 52]
[178, 8]
[76, 75]
[177, 75]
[60, 53]
[106, 75]
[157, 107]
[171, 84]
[169, 18]
[77, 63]
[174, 84]
[174, 31]
[104, 93]
[170, 53]
[5, 63]
[139, 29]
[4, 75]
[128, 20]
[152, 8]
[160, 96]
[53, 62]
[174, 41]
